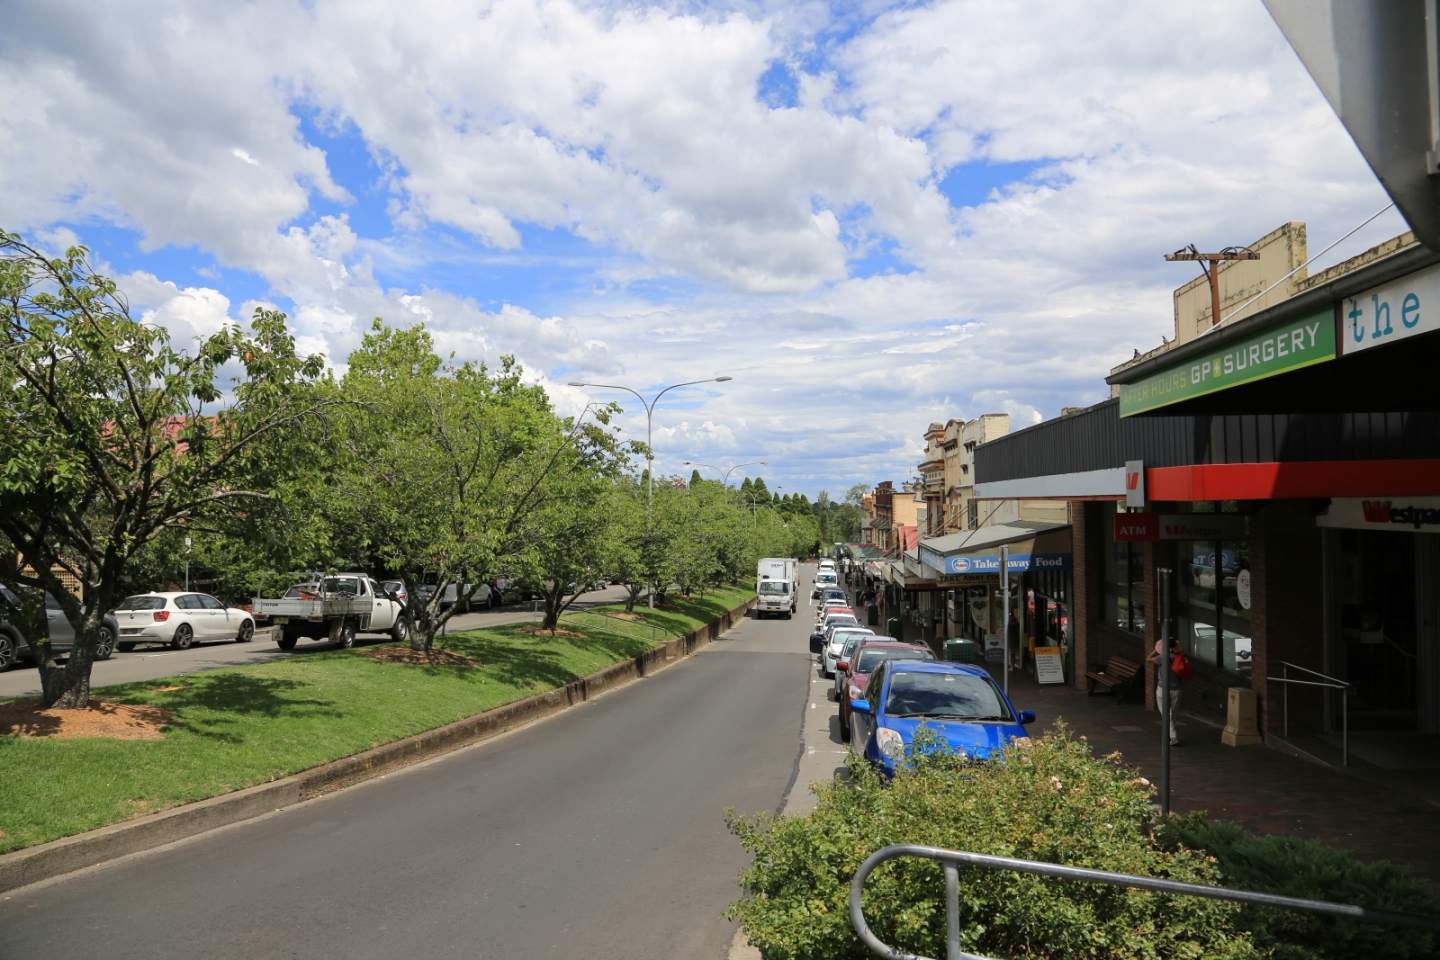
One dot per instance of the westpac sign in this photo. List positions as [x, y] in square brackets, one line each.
[1397, 514]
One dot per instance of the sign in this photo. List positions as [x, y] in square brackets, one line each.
[1277, 349]
[1049, 665]
[1147, 527]
[1395, 311]
[1135, 483]
[968, 579]
[1242, 588]
[1019, 563]
[995, 647]
[1420, 514]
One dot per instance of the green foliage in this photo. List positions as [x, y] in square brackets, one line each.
[109, 436]
[1295, 867]
[1050, 800]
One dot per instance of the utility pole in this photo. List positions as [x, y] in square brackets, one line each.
[1005, 609]
[1162, 678]
[1211, 267]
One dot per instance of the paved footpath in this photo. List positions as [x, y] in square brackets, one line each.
[598, 832]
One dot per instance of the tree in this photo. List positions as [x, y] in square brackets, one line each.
[449, 469]
[109, 437]
[695, 477]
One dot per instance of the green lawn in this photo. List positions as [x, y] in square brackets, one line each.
[241, 726]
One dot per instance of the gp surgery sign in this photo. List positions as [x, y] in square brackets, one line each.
[1287, 346]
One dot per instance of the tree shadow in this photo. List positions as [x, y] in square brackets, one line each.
[235, 694]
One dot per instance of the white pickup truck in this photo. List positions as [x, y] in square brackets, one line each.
[334, 607]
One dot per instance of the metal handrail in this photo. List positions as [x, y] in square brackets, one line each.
[952, 859]
[1333, 683]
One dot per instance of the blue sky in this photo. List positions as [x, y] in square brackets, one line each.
[870, 217]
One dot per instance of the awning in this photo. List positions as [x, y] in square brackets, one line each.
[1037, 546]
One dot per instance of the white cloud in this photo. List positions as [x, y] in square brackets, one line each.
[734, 225]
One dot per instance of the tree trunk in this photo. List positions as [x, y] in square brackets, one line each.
[554, 594]
[633, 591]
[67, 687]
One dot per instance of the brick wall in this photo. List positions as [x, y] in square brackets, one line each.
[1287, 611]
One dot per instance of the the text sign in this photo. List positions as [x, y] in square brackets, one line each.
[1049, 665]
[1403, 308]
[1019, 563]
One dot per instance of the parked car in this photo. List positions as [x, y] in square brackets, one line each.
[334, 608]
[13, 646]
[846, 639]
[180, 619]
[831, 646]
[396, 589]
[823, 580]
[854, 670]
[956, 700]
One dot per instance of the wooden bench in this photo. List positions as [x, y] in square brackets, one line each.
[1116, 677]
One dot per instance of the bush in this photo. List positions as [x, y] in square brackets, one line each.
[1294, 867]
[1050, 800]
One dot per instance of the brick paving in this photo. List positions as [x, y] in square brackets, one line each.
[1260, 788]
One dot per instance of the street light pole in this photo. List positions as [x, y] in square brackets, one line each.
[725, 481]
[649, 425]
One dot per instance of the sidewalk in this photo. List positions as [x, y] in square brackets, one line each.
[1258, 787]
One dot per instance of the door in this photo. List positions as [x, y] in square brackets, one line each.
[218, 619]
[862, 725]
[383, 608]
[190, 610]
[62, 635]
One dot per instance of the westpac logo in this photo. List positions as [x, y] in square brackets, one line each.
[1132, 480]
[1376, 511]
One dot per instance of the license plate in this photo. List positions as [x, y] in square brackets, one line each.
[279, 619]
[130, 631]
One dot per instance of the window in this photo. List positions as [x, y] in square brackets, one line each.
[142, 603]
[188, 602]
[972, 514]
[210, 603]
[870, 659]
[1213, 602]
[945, 695]
[774, 588]
[1124, 572]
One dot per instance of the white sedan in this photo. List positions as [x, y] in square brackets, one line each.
[180, 619]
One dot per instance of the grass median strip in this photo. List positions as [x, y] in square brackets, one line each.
[242, 726]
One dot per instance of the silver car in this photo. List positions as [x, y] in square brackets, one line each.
[62, 636]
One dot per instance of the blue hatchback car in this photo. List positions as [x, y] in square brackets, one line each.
[955, 700]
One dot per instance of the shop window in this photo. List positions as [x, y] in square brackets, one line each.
[1124, 576]
[1213, 608]
[972, 514]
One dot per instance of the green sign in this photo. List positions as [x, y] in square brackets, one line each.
[1285, 346]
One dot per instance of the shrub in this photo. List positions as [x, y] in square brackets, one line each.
[1294, 867]
[1049, 800]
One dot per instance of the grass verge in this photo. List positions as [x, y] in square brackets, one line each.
[242, 726]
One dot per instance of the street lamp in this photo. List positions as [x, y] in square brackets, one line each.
[649, 417]
[726, 480]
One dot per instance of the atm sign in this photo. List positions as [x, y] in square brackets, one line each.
[1137, 527]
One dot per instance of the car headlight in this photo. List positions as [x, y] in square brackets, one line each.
[891, 744]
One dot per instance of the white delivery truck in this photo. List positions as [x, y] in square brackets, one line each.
[776, 581]
[333, 607]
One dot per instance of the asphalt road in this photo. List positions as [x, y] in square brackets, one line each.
[152, 663]
[596, 833]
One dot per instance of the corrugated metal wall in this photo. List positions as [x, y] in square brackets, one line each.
[1098, 439]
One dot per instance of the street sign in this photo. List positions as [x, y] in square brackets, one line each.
[1376, 62]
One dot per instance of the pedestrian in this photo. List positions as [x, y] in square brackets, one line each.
[1177, 657]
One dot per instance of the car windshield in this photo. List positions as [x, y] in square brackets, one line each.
[142, 603]
[774, 587]
[870, 659]
[947, 696]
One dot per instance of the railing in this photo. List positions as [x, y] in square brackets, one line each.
[952, 859]
[1330, 683]
[636, 629]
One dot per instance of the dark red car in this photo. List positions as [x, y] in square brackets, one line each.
[863, 661]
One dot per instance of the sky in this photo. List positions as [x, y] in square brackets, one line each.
[870, 215]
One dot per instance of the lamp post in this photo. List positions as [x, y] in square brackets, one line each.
[726, 480]
[649, 423]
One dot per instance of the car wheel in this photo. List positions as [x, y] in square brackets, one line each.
[400, 631]
[345, 636]
[182, 638]
[8, 652]
[125, 647]
[286, 641]
[247, 632]
[106, 646]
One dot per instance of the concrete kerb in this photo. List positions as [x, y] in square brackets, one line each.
[47, 860]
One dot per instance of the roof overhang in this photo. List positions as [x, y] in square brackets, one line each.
[1087, 485]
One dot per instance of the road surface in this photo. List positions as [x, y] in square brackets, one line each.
[597, 833]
